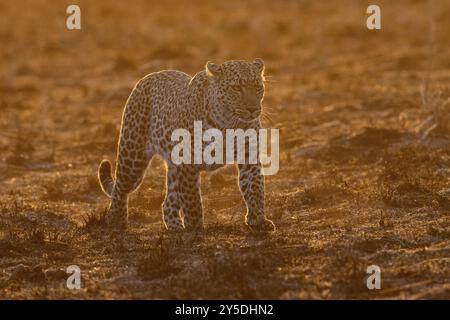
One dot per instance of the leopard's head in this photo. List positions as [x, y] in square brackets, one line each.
[236, 88]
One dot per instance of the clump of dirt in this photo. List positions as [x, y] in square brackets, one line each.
[365, 147]
[159, 262]
[405, 182]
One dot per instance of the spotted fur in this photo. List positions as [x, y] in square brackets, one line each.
[226, 96]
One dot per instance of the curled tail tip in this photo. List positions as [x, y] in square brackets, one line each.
[105, 177]
[104, 167]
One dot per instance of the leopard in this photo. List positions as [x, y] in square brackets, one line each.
[223, 96]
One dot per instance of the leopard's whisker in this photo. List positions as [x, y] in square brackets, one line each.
[269, 110]
[267, 113]
[267, 119]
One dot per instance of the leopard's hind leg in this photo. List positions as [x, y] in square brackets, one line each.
[132, 160]
[129, 175]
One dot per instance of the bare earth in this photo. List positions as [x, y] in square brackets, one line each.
[359, 184]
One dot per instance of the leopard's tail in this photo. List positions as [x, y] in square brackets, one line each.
[105, 177]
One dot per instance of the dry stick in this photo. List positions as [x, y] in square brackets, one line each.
[432, 49]
[426, 84]
[10, 135]
[407, 286]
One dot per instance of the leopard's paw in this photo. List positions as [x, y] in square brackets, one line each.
[193, 224]
[116, 221]
[261, 225]
[174, 228]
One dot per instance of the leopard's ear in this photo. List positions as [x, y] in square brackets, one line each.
[213, 69]
[259, 65]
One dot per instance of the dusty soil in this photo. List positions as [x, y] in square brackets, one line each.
[360, 182]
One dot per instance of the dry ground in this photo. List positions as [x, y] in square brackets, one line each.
[359, 183]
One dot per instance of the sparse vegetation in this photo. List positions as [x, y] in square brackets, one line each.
[95, 221]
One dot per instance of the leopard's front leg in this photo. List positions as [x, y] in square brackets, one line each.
[171, 206]
[190, 197]
[251, 183]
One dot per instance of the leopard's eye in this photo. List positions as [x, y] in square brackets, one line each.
[236, 87]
